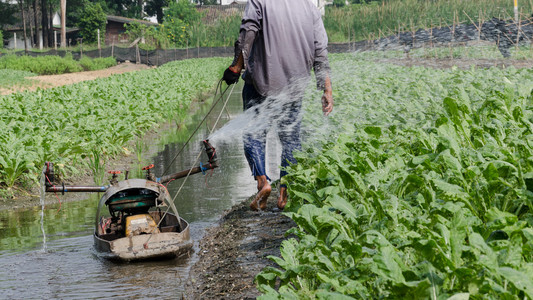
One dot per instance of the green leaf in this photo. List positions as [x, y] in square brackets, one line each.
[460, 296]
[520, 280]
[344, 206]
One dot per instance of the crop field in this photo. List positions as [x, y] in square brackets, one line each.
[11, 78]
[419, 185]
[83, 124]
[490, 52]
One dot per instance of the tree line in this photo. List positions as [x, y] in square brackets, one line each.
[38, 14]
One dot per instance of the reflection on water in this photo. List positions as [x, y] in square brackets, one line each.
[70, 269]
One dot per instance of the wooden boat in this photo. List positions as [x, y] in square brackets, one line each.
[143, 222]
[140, 226]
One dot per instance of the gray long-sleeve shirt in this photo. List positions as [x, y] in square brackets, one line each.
[288, 39]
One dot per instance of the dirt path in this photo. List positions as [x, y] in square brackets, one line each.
[49, 81]
[236, 250]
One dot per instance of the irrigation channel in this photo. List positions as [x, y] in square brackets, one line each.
[66, 266]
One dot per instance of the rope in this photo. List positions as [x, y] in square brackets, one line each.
[218, 88]
[199, 154]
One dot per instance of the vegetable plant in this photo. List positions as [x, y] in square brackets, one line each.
[419, 186]
[67, 124]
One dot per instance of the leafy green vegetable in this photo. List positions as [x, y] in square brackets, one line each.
[419, 186]
[70, 124]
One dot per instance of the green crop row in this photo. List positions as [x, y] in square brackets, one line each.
[489, 52]
[52, 64]
[82, 124]
[382, 18]
[418, 186]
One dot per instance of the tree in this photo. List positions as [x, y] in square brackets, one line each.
[177, 21]
[92, 18]
[44, 23]
[7, 12]
[63, 21]
[21, 4]
[183, 10]
[155, 8]
[35, 22]
[125, 8]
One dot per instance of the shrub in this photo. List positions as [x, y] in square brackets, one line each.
[52, 64]
[89, 64]
[92, 18]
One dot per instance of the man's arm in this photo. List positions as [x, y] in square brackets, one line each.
[327, 97]
[251, 24]
[243, 47]
[321, 65]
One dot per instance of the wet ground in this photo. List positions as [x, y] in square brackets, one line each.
[234, 251]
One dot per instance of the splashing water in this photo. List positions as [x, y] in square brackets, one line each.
[269, 117]
[42, 194]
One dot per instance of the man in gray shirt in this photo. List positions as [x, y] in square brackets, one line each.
[280, 42]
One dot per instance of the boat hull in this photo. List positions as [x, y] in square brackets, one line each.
[146, 246]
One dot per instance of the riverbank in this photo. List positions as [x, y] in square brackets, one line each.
[28, 196]
[233, 252]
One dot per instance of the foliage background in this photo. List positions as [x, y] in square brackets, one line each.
[92, 18]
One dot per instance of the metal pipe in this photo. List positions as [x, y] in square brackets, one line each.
[74, 189]
[184, 173]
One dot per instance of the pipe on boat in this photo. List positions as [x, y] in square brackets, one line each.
[184, 173]
[74, 189]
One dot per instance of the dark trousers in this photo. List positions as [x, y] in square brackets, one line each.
[282, 111]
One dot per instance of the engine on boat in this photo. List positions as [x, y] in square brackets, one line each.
[140, 224]
[129, 213]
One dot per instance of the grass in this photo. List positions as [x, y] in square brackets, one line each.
[11, 78]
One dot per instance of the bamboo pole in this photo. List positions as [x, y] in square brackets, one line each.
[518, 29]
[516, 11]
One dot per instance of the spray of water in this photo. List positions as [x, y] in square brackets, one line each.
[269, 115]
[42, 193]
[272, 114]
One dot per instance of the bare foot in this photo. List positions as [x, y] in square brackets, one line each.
[264, 189]
[282, 200]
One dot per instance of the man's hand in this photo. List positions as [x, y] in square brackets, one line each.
[327, 98]
[231, 76]
[233, 72]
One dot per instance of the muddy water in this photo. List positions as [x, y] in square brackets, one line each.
[69, 267]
